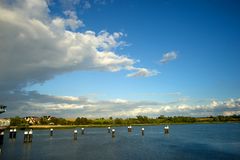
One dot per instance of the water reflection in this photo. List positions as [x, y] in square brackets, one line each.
[182, 142]
[26, 150]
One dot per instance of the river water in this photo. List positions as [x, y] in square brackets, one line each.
[191, 141]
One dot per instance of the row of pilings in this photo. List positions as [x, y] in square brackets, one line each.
[28, 134]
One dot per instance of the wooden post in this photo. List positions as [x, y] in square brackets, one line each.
[166, 129]
[11, 133]
[129, 128]
[30, 135]
[14, 133]
[25, 137]
[83, 131]
[1, 137]
[75, 134]
[142, 131]
[109, 129]
[113, 133]
[51, 132]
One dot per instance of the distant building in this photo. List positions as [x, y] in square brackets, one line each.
[4, 122]
[47, 117]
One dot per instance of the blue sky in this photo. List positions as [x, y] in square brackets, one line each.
[200, 40]
[204, 34]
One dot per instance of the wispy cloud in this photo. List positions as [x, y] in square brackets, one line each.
[82, 4]
[29, 103]
[169, 56]
[142, 72]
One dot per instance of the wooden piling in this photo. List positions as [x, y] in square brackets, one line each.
[142, 131]
[109, 129]
[166, 129]
[25, 137]
[113, 133]
[51, 132]
[1, 137]
[30, 136]
[129, 128]
[14, 133]
[11, 133]
[75, 134]
[82, 131]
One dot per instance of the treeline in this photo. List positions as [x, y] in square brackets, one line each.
[47, 120]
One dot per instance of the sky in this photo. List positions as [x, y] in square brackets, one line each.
[119, 58]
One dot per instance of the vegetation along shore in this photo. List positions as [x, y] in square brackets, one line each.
[46, 122]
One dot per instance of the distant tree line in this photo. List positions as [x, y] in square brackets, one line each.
[47, 120]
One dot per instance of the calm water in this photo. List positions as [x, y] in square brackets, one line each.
[196, 141]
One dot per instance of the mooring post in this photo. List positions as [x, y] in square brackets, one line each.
[11, 133]
[14, 133]
[83, 131]
[109, 129]
[113, 133]
[129, 128]
[25, 137]
[142, 131]
[30, 135]
[1, 137]
[51, 132]
[166, 129]
[75, 134]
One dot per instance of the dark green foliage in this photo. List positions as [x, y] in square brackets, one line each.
[119, 121]
[221, 118]
[60, 121]
[17, 121]
[46, 120]
[143, 119]
[82, 121]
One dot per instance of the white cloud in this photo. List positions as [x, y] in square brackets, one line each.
[82, 4]
[142, 72]
[169, 56]
[73, 22]
[229, 113]
[28, 103]
[119, 100]
[86, 5]
[184, 107]
[35, 47]
[214, 104]
[231, 103]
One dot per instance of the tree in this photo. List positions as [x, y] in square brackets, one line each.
[142, 119]
[81, 121]
[17, 121]
[44, 121]
[118, 121]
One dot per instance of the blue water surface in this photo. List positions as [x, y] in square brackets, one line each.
[190, 141]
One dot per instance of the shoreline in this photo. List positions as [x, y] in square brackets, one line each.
[107, 125]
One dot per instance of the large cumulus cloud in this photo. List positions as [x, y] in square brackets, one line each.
[35, 46]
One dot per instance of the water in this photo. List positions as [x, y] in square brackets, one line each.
[194, 141]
